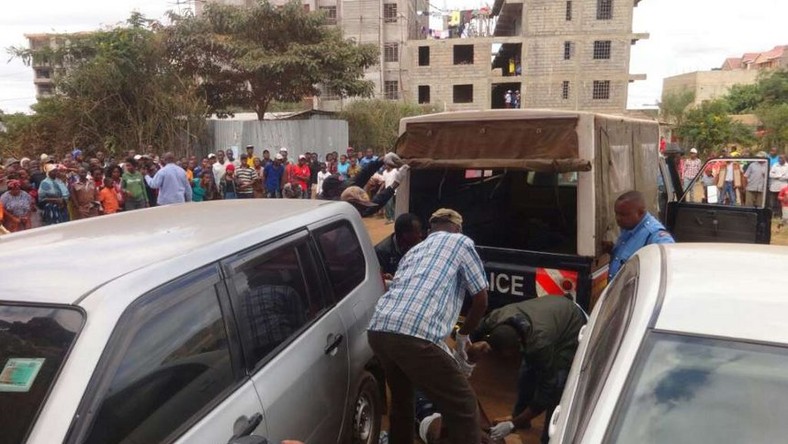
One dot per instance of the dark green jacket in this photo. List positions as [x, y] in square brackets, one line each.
[548, 328]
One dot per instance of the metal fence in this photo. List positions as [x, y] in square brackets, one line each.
[298, 136]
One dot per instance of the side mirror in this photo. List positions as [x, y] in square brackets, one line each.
[250, 439]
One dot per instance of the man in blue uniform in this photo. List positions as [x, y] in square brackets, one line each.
[638, 229]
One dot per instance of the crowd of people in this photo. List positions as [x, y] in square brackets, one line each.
[739, 182]
[44, 190]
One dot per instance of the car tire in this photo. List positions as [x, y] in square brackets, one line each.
[367, 411]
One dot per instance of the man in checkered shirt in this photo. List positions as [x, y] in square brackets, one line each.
[414, 317]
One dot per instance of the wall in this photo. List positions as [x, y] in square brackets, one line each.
[708, 85]
[298, 136]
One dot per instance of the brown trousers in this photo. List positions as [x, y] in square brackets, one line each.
[411, 363]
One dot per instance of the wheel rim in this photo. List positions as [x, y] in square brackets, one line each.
[363, 420]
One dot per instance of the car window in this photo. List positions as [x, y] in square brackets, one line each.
[34, 342]
[274, 298]
[169, 360]
[603, 344]
[714, 390]
[741, 183]
[343, 257]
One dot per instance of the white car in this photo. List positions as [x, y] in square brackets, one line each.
[689, 344]
[214, 322]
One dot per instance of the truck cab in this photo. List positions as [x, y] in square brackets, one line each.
[536, 189]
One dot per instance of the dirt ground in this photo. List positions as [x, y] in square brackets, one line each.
[494, 379]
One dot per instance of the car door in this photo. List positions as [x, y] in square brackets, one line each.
[171, 372]
[295, 346]
[717, 206]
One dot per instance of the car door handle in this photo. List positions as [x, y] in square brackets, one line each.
[245, 426]
[330, 348]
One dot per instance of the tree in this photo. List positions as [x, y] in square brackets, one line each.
[775, 124]
[744, 99]
[117, 91]
[247, 57]
[709, 126]
[674, 105]
[375, 123]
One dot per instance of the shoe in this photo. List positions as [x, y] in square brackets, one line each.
[424, 427]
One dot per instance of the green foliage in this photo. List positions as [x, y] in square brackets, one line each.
[248, 57]
[674, 105]
[375, 123]
[774, 87]
[118, 91]
[775, 122]
[709, 126]
[744, 99]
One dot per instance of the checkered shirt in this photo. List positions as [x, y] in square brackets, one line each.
[429, 287]
[273, 313]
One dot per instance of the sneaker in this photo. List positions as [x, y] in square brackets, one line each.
[424, 427]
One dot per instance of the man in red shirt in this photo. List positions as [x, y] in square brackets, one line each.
[300, 175]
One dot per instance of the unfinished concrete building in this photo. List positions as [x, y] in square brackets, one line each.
[570, 54]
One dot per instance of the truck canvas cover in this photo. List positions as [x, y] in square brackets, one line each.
[497, 139]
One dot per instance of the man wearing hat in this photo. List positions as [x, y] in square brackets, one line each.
[413, 318]
[691, 169]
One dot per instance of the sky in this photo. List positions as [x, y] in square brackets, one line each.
[686, 36]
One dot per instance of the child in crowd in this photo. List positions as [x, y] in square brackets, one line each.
[108, 198]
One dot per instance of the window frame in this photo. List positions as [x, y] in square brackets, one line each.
[457, 54]
[568, 10]
[568, 50]
[566, 89]
[320, 259]
[390, 13]
[330, 14]
[454, 93]
[587, 393]
[308, 269]
[388, 92]
[424, 55]
[424, 94]
[602, 50]
[600, 90]
[604, 9]
[391, 52]
[179, 290]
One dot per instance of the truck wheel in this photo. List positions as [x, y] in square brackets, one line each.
[367, 412]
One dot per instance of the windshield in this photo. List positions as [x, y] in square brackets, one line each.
[34, 342]
[714, 391]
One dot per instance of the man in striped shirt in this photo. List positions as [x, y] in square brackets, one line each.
[414, 317]
[244, 179]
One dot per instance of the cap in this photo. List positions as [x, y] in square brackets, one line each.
[448, 215]
[44, 157]
[283, 150]
[350, 149]
[356, 195]
[249, 146]
[10, 161]
[212, 156]
[49, 167]
[279, 157]
[76, 152]
[762, 154]
[301, 157]
[137, 157]
[693, 151]
[230, 167]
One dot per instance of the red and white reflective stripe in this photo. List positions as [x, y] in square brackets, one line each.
[552, 282]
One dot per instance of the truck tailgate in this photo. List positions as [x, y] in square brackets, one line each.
[516, 275]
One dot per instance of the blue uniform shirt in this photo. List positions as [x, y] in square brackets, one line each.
[648, 231]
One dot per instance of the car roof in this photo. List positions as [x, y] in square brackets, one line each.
[724, 290]
[62, 263]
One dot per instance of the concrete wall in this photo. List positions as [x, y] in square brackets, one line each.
[708, 85]
[298, 136]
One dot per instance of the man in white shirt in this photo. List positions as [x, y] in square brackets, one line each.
[778, 178]
[389, 177]
[219, 167]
